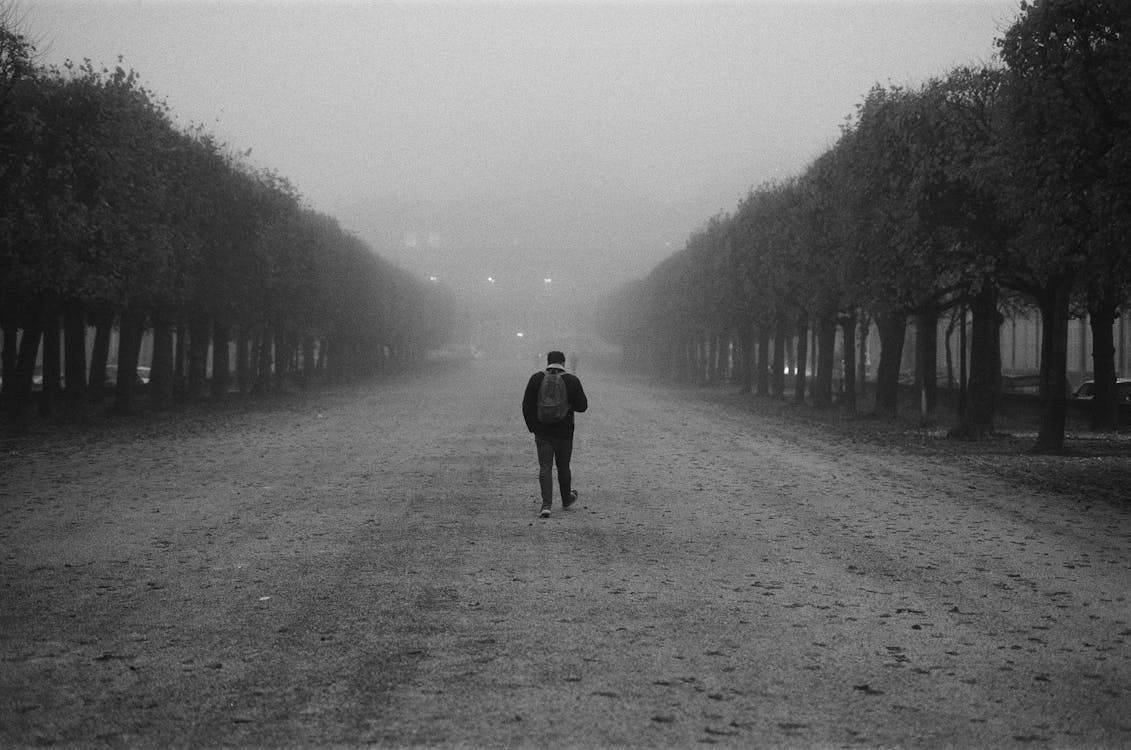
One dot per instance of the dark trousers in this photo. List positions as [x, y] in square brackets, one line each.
[551, 451]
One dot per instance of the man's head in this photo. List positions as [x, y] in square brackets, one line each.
[555, 358]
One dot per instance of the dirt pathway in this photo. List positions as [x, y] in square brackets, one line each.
[366, 568]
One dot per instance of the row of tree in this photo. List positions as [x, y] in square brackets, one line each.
[113, 218]
[989, 187]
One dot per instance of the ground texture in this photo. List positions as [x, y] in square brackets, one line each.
[364, 566]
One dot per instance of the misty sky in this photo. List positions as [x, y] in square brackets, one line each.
[522, 140]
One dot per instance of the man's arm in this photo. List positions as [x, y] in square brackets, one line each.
[578, 402]
[530, 402]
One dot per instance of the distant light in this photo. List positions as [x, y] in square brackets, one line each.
[519, 334]
[546, 281]
[491, 279]
[433, 278]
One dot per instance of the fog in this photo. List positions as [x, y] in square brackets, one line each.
[523, 141]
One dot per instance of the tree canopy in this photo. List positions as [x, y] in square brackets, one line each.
[986, 186]
[113, 215]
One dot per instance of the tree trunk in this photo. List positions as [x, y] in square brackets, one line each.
[927, 362]
[180, 360]
[711, 349]
[801, 379]
[862, 355]
[308, 360]
[74, 343]
[763, 378]
[200, 332]
[718, 342]
[777, 374]
[826, 360]
[329, 355]
[100, 354]
[893, 331]
[963, 367]
[129, 340]
[984, 381]
[51, 396]
[848, 330]
[243, 364]
[9, 357]
[262, 359]
[1054, 363]
[25, 367]
[221, 366]
[324, 346]
[1105, 404]
[282, 359]
[950, 379]
[746, 358]
[696, 359]
[161, 368]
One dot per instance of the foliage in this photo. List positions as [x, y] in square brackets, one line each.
[980, 184]
[107, 206]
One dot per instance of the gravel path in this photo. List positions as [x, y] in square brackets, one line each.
[364, 567]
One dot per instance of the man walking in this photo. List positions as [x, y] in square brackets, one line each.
[551, 398]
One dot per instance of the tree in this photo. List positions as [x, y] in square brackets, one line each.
[17, 54]
[960, 182]
[1069, 111]
[897, 269]
[110, 214]
[755, 273]
[18, 127]
[837, 268]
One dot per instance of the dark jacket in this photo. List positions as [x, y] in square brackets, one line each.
[564, 428]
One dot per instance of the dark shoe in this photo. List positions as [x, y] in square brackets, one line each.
[545, 512]
[568, 501]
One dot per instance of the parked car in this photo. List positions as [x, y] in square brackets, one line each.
[1087, 390]
[112, 377]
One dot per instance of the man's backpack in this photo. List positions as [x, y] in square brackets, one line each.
[553, 400]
